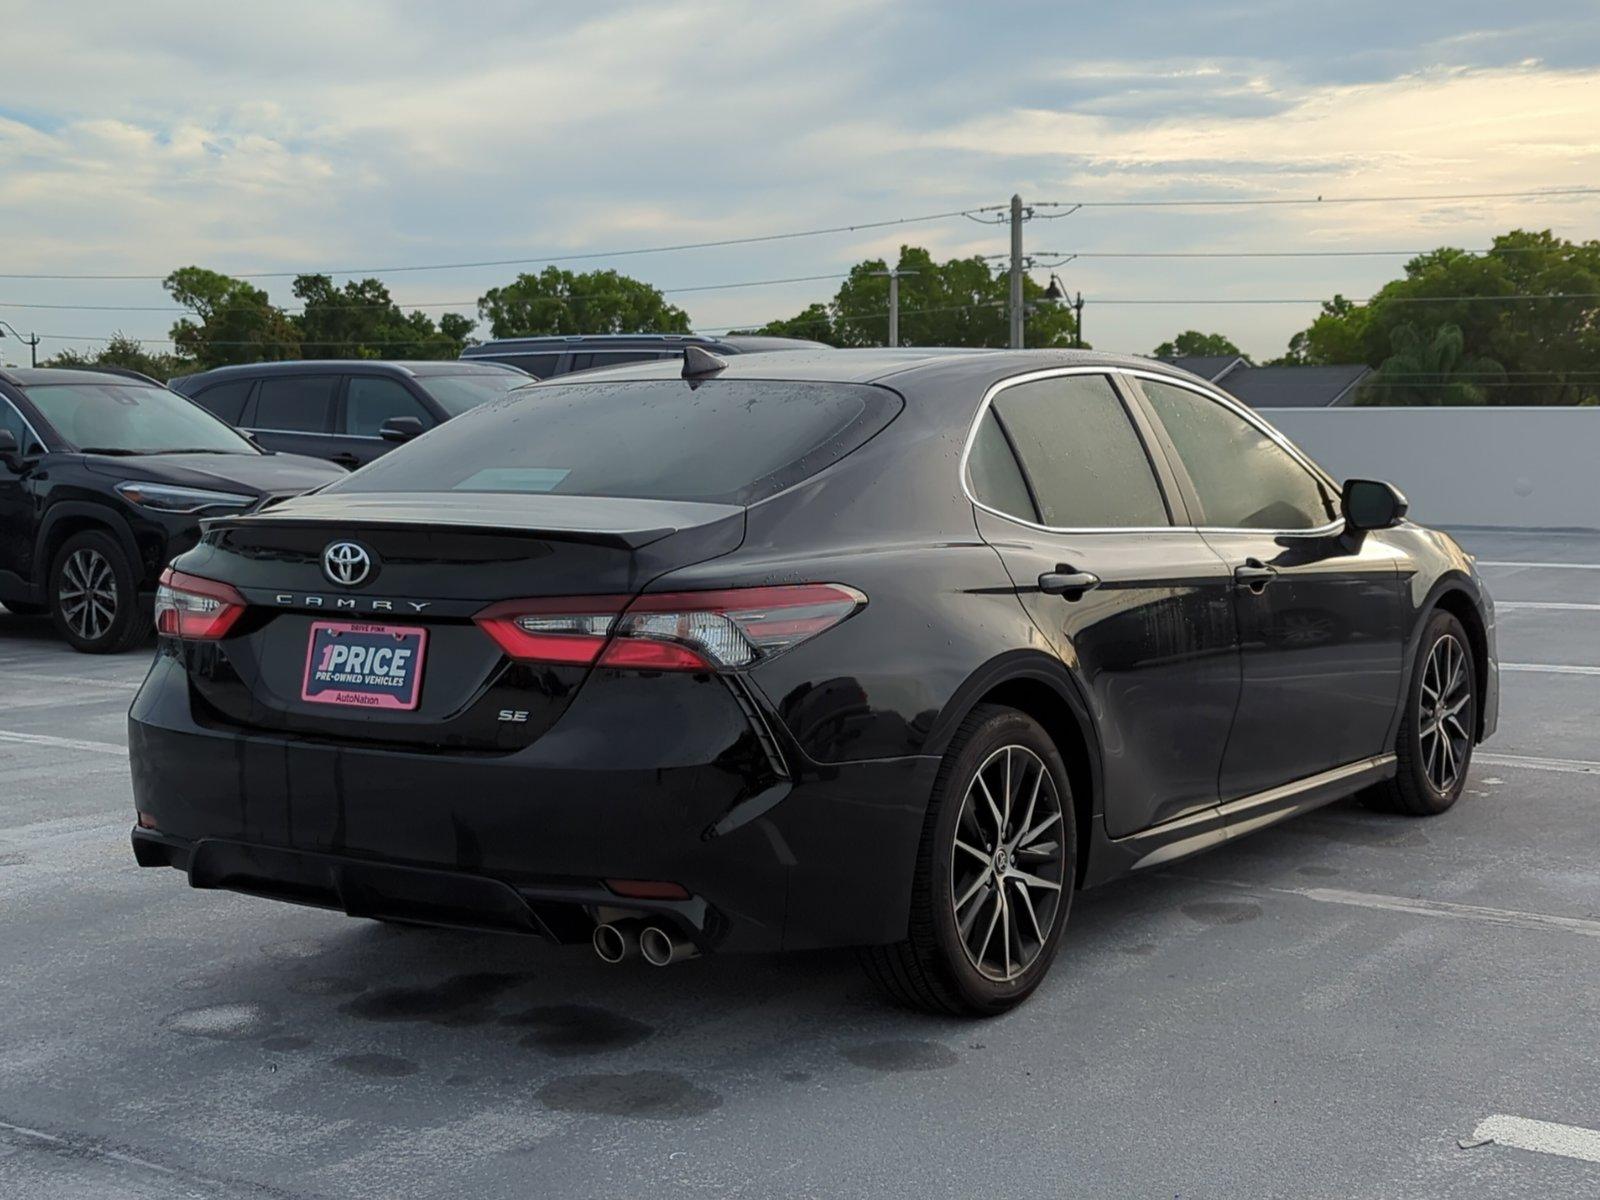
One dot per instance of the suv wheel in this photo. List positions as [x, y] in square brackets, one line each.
[93, 599]
[995, 873]
[1434, 746]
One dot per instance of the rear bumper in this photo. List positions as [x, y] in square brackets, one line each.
[526, 841]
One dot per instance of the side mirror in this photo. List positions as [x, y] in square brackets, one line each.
[1372, 504]
[400, 429]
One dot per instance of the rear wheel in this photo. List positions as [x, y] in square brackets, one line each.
[93, 599]
[1434, 746]
[994, 873]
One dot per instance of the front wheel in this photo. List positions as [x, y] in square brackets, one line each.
[93, 597]
[1434, 746]
[995, 872]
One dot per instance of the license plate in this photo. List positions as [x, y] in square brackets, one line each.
[360, 665]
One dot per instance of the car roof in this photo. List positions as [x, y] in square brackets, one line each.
[743, 343]
[30, 376]
[905, 366]
[421, 368]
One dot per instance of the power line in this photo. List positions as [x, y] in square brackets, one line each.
[1068, 255]
[179, 310]
[546, 259]
[1219, 202]
[1073, 205]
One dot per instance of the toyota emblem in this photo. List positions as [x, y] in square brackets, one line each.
[346, 563]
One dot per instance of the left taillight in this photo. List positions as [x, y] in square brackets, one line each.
[669, 631]
[188, 606]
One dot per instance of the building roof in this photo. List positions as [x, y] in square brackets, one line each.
[1210, 367]
[1297, 386]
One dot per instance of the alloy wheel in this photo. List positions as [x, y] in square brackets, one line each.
[1008, 863]
[1443, 713]
[88, 594]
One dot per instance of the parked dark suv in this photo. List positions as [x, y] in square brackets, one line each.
[348, 412]
[889, 649]
[550, 356]
[104, 476]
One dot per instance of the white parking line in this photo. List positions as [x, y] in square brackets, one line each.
[1542, 1137]
[62, 743]
[1569, 766]
[1418, 907]
[1545, 605]
[121, 685]
[1543, 565]
[1550, 668]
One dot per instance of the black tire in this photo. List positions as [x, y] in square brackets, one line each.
[933, 969]
[95, 559]
[1419, 787]
[20, 608]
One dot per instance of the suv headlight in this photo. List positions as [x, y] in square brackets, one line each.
[164, 497]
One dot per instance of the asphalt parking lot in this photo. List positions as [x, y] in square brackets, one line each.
[1331, 1008]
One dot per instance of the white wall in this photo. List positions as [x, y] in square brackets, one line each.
[1535, 468]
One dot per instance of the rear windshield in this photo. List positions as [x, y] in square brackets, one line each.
[730, 442]
[457, 393]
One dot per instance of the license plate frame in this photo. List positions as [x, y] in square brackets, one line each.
[361, 689]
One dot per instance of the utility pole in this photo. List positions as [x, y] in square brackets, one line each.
[1077, 321]
[893, 275]
[894, 309]
[1016, 272]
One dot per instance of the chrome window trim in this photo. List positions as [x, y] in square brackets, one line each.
[23, 417]
[1031, 377]
[1159, 377]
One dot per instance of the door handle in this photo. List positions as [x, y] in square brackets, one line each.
[1255, 575]
[346, 460]
[1064, 581]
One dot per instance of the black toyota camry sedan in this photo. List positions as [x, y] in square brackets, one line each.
[888, 649]
[104, 477]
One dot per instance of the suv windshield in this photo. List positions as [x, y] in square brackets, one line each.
[127, 418]
[457, 393]
[731, 442]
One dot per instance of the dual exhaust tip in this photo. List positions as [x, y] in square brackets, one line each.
[620, 941]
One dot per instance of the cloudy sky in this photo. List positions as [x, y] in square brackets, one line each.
[373, 134]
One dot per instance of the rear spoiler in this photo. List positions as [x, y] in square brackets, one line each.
[598, 520]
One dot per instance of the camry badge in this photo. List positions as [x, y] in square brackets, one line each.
[346, 563]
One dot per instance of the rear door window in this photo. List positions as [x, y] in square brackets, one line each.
[226, 400]
[1084, 461]
[721, 441]
[296, 403]
[370, 400]
[541, 366]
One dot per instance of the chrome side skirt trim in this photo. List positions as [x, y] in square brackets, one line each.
[1199, 831]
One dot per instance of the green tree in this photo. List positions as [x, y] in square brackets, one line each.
[561, 302]
[959, 302]
[814, 321]
[121, 350]
[360, 320]
[1431, 370]
[1528, 306]
[236, 323]
[1193, 343]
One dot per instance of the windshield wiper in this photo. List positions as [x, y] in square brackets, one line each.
[115, 450]
[197, 450]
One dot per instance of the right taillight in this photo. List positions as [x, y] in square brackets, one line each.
[188, 606]
[669, 631]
